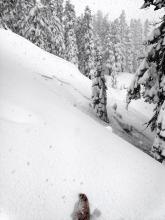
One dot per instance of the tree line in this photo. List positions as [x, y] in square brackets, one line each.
[54, 27]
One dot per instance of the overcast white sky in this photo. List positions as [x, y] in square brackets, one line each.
[114, 8]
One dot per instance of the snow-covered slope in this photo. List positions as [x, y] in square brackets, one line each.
[50, 150]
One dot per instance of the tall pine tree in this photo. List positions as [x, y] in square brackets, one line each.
[71, 50]
[88, 42]
[109, 55]
[101, 26]
[146, 31]
[129, 51]
[14, 13]
[123, 29]
[115, 31]
[7, 13]
[136, 31]
[151, 74]
[43, 28]
[56, 7]
[38, 21]
[99, 96]
[79, 30]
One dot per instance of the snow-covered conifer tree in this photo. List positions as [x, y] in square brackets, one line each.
[99, 96]
[97, 23]
[123, 29]
[79, 30]
[37, 21]
[140, 42]
[88, 42]
[117, 44]
[136, 31]
[109, 54]
[56, 7]
[43, 28]
[110, 62]
[123, 26]
[118, 56]
[101, 27]
[71, 50]
[129, 51]
[115, 31]
[59, 9]
[146, 31]
[7, 13]
[14, 13]
[133, 32]
[34, 29]
[151, 74]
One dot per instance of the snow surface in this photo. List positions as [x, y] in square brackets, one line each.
[52, 149]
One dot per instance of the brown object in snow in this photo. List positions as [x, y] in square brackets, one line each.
[81, 209]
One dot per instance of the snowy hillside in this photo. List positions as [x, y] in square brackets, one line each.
[51, 149]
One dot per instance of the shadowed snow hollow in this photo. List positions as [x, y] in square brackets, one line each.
[50, 150]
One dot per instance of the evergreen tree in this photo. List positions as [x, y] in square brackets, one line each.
[88, 42]
[109, 55]
[129, 51]
[97, 52]
[115, 31]
[99, 96]
[85, 43]
[97, 24]
[56, 7]
[133, 37]
[146, 32]
[44, 29]
[118, 57]
[136, 31]
[79, 30]
[151, 74]
[110, 60]
[13, 13]
[118, 45]
[105, 31]
[59, 10]
[36, 28]
[97, 47]
[37, 21]
[123, 26]
[22, 10]
[71, 50]
[114, 77]
[139, 42]
[101, 27]
[6, 13]
[123, 32]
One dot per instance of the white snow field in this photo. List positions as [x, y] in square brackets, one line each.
[51, 149]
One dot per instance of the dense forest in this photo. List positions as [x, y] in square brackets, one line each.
[54, 26]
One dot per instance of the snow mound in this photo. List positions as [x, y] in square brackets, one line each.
[67, 152]
[109, 128]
